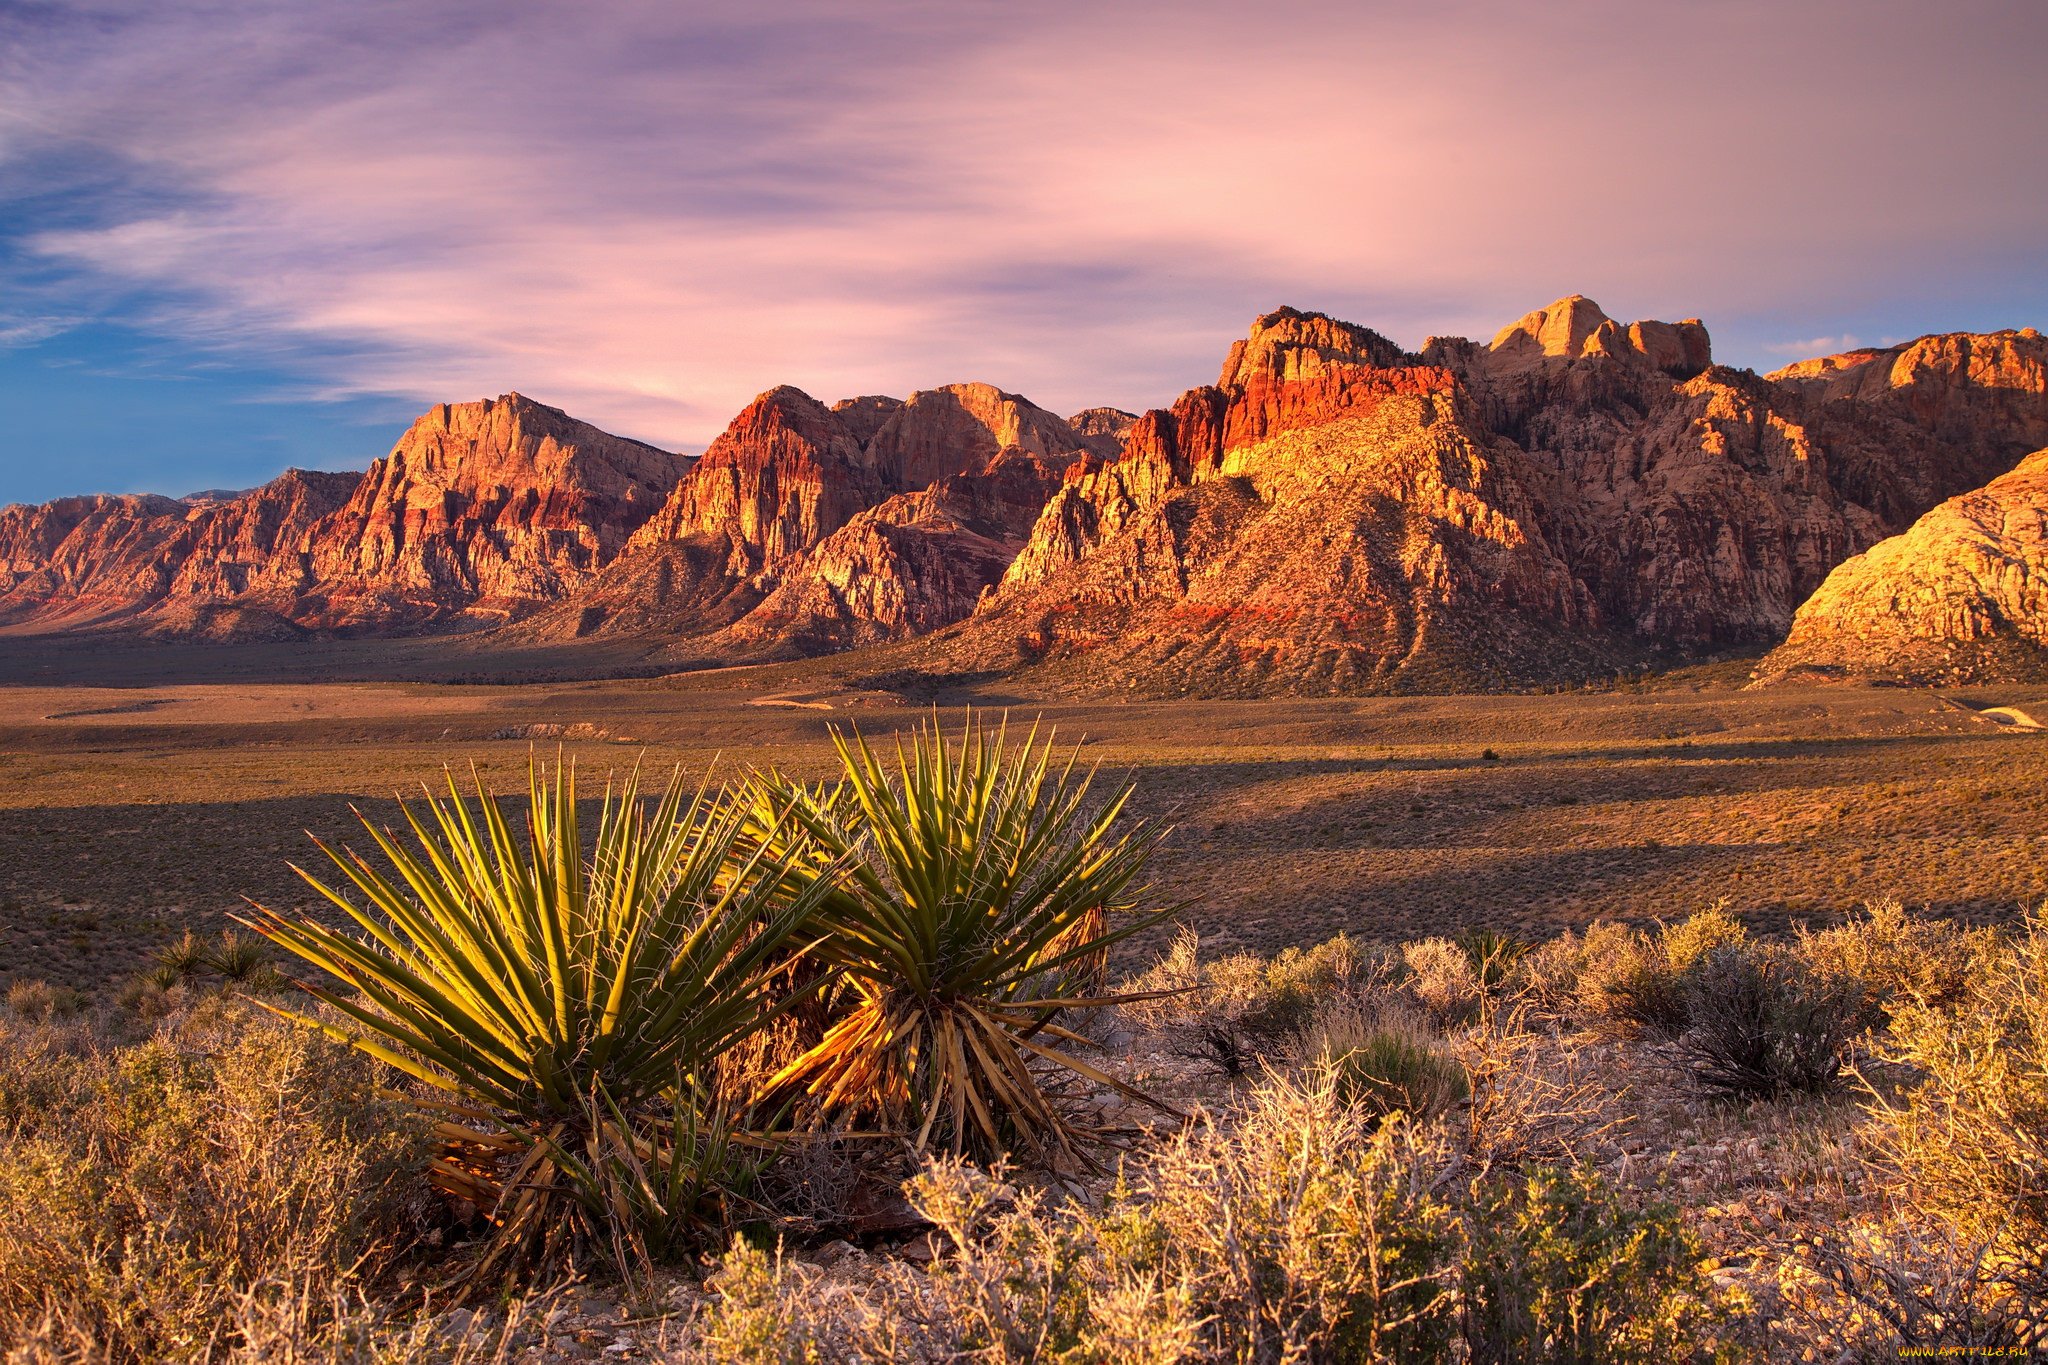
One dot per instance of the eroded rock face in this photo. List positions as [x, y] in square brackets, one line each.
[1960, 596]
[1323, 517]
[1335, 514]
[805, 528]
[100, 561]
[480, 512]
[906, 566]
[1111, 423]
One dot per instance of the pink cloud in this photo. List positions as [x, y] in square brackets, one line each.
[647, 213]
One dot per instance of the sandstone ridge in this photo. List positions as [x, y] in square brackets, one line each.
[1961, 596]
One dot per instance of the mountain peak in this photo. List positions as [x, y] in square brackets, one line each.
[1288, 344]
[1575, 327]
[1561, 329]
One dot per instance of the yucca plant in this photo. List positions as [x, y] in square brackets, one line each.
[973, 890]
[235, 957]
[570, 1004]
[186, 957]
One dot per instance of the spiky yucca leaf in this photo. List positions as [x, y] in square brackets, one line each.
[571, 1003]
[975, 888]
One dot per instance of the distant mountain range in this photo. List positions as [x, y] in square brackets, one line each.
[1576, 497]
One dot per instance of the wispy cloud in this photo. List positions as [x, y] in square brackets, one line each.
[1813, 346]
[646, 212]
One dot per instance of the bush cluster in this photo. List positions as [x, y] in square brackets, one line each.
[150, 1189]
[1307, 1228]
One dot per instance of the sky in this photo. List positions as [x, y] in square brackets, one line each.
[237, 235]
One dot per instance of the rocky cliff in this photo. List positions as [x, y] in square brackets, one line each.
[1573, 496]
[1961, 596]
[480, 512]
[106, 561]
[1576, 494]
[805, 527]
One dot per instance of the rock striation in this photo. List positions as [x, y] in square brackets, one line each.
[1961, 596]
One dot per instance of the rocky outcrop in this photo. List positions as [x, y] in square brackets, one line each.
[905, 567]
[1578, 493]
[82, 562]
[1333, 513]
[1962, 596]
[1113, 424]
[1324, 516]
[786, 473]
[480, 512]
[805, 528]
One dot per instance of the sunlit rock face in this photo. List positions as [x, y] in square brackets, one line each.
[1333, 513]
[1573, 496]
[1962, 595]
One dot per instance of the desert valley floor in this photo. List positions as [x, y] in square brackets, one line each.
[134, 811]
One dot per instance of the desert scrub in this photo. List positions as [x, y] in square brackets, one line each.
[1564, 977]
[570, 1002]
[1385, 1062]
[1304, 1229]
[1442, 977]
[1969, 1141]
[38, 1000]
[148, 1189]
[1309, 1230]
[1636, 986]
[1760, 1023]
[1235, 1011]
[1901, 958]
[1563, 1267]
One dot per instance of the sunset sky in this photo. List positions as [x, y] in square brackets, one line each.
[237, 235]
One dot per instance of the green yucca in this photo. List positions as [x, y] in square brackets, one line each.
[573, 1005]
[973, 893]
[236, 958]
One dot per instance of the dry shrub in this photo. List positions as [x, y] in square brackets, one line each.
[36, 1001]
[1534, 1097]
[1706, 931]
[1863, 1291]
[1761, 1023]
[1563, 977]
[1443, 979]
[1970, 1140]
[147, 1189]
[1232, 1011]
[1385, 1061]
[1307, 1230]
[773, 1310]
[1901, 958]
[1563, 1267]
[1636, 987]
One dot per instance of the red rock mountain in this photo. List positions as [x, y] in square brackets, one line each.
[1962, 596]
[1333, 513]
[806, 528]
[1336, 514]
[480, 512]
[81, 562]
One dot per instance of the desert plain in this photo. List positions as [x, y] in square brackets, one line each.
[149, 791]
